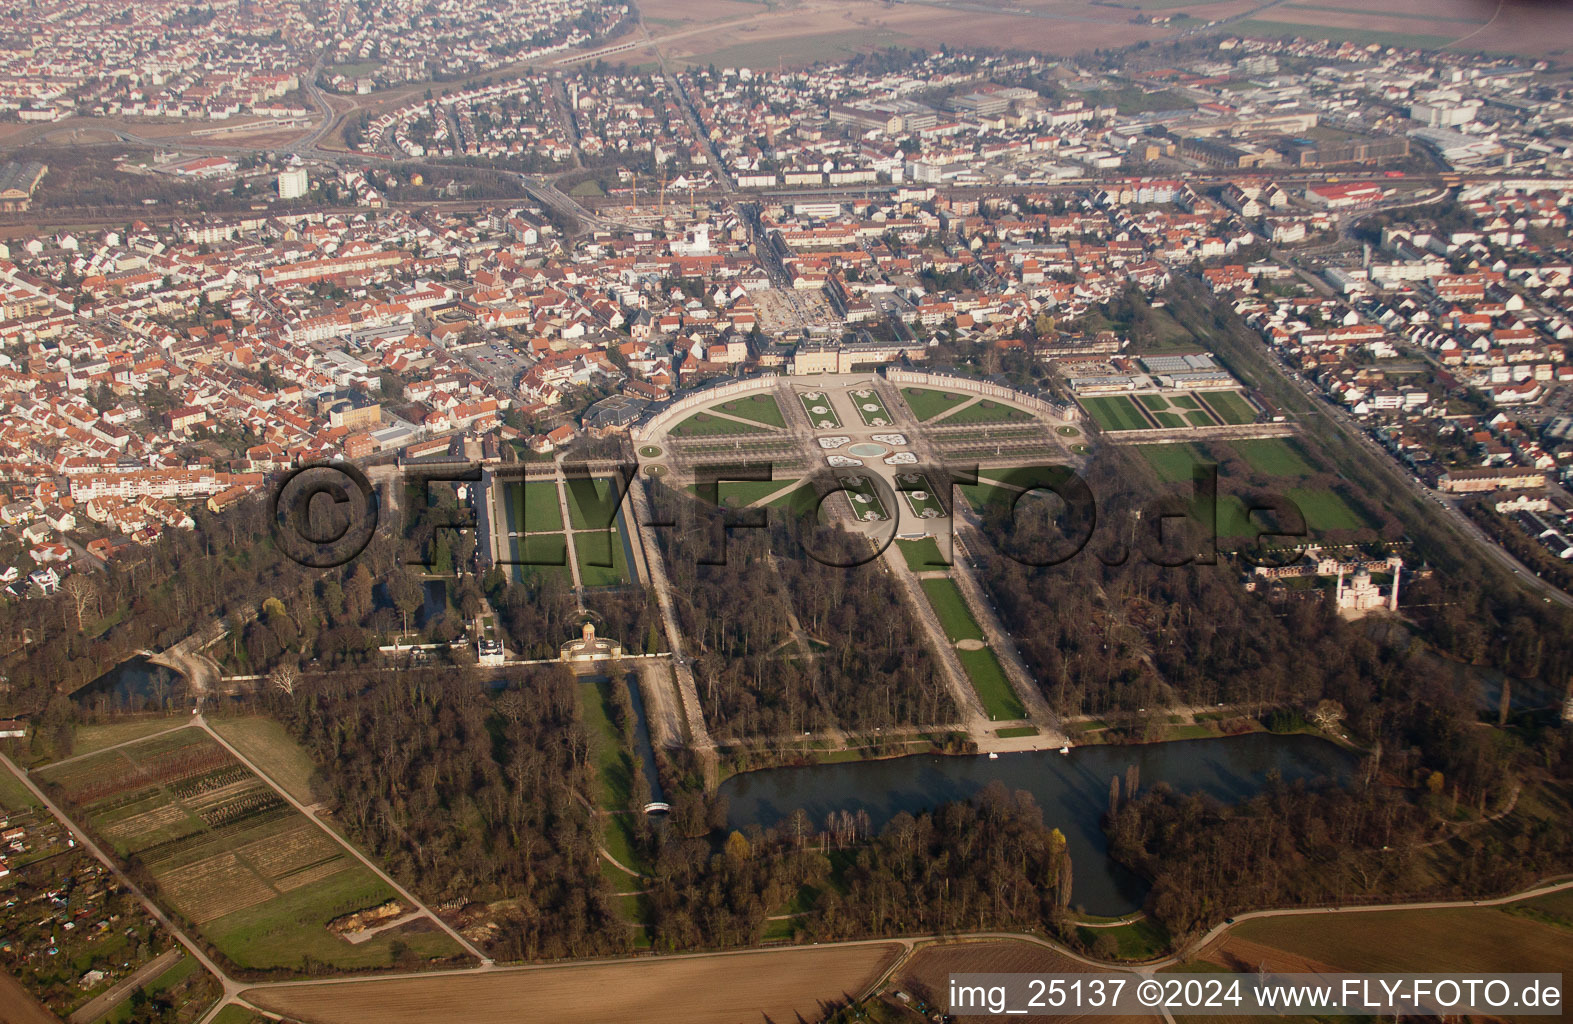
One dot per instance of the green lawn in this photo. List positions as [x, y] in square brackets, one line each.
[994, 690]
[820, 412]
[1273, 456]
[702, 424]
[1172, 462]
[543, 513]
[539, 550]
[601, 546]
[1114, 412]
[1325, 510]
[985, 411]
[284, 931]
[740, 493]
[922, 555]
[951, 608]
[1171, 420]
[798, 499]
[13, 795]
[870, 407]
[271, 748]
[1138, 940]
[592, 503]
[926, 404]
[759, 408]
[929, 502]
[614, 768]
[1230, 406]
[1200, 418]
[866, 502]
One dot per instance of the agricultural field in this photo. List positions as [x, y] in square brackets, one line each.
[952, 610]
[781, 985]
[703, 424]
[267, 745]
[870, 407]
[922, 500]
[1453, 939]
[1115, 412]
[820, 412]
[256, 878]
[1229, 406]
[927, 404]
[926, 974]
[985, 411]
[89, 738]
[761, 409]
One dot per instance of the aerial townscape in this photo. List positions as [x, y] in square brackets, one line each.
[716, 512]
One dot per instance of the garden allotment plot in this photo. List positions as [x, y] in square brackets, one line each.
[257, 878]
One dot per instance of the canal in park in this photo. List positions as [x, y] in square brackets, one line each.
[1072, 789]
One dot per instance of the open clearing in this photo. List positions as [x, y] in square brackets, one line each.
[270, 748]
[778, 985]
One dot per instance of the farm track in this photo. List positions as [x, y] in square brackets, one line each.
[404, 893]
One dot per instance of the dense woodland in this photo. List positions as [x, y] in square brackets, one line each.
[859, 662]
[470, 791]
[1294, 845]
[986, 863]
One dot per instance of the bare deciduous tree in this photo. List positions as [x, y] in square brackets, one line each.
[83, 592]
[284, 677]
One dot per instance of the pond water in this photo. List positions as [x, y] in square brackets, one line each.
[1072, 789]
[130, 684]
